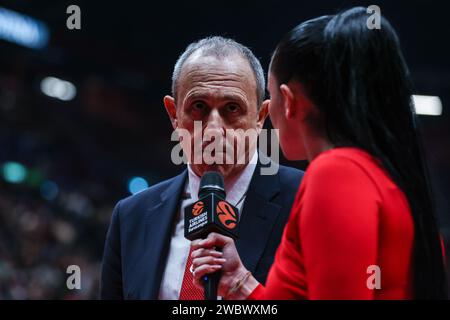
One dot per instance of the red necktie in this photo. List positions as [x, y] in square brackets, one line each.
[188, 290]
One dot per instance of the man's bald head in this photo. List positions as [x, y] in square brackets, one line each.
[221, 48]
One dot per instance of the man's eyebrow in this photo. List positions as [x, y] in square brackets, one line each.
[226, 96]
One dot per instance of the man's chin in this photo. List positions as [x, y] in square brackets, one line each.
[224, 169]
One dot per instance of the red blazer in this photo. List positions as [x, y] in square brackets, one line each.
[348, 216]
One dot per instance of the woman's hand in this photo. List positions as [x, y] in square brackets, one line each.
[206, 259]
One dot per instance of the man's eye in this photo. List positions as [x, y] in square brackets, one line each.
[199, 106]
[232, 107]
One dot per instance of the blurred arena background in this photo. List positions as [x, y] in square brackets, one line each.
[82, 123]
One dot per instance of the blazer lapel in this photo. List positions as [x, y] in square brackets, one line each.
[258, 217]
[159, 224]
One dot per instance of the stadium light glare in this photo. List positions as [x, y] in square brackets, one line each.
[23, 30]
[59, 89]
[427, 105]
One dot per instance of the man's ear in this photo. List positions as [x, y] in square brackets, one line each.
[288, 101]
[169, 103]
[262, 114]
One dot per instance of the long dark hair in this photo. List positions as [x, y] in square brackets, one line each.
[358, 79]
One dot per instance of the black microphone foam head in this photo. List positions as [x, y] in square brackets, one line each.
[212, 182]
[211, 213]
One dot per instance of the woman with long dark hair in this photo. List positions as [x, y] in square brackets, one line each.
[362, 225]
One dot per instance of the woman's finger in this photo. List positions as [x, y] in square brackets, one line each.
[206, 252]
[202, 271]
[213, 240]
[208, 260]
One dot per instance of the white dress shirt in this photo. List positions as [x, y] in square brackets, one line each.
[179, 246]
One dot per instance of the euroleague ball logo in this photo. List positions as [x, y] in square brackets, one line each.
[226, 215]
[197, 208]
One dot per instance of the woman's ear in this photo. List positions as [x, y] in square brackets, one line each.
[169, 103]
[297, 103]
[288, 101]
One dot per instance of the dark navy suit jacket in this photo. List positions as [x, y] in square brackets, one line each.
[138, 238]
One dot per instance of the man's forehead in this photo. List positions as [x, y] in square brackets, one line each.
[233, 64]
[208, 74]
[211, 69]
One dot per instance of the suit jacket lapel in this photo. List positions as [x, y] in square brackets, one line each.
[159, 226]
[257, 218]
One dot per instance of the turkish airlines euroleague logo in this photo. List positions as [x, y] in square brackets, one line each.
[197, 208]
[226, 215]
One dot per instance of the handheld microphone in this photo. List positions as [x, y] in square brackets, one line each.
[211, 213]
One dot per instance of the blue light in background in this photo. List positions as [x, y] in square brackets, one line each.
[137, 184]
[14, 172]
[49, 190]
[22, 29]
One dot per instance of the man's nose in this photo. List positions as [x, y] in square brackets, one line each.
[215, 122]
